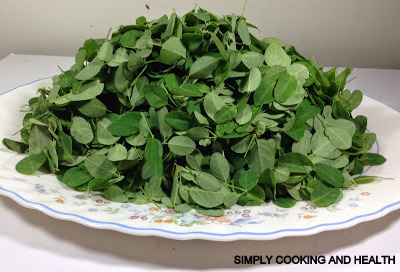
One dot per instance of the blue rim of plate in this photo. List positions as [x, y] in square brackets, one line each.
[199, 232]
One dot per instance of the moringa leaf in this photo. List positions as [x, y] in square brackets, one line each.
[153, 154]
[117, 153]
[226, 113]
[372, 159]
[323, 195]
[115, 194]
[100, 167]
[172, 51]
[252, 59]
[275, 55]
[93, 108]
[87, 91]
[181, 145]
[262, 155]
[264, 92]
[220, 167]
[330, 174]
[31, 164]
[81, 130]
[179, 120]
[156, 96]
[126, 125]
[91, 70]
[203, 67]
[253, 80]
[243, 32]
[249, 179]
[76, 176]
[284, 88]
[285, 202]
[15, 145]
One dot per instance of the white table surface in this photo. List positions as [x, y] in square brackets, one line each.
[32, 241]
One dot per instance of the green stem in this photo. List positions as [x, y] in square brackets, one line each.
[147, 124]
[238, 188]
[149, 198]
[248, 147]
[186, 79]
[109, 31]
[244, 8]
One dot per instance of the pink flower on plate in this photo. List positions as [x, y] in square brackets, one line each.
[80, 196]
[365, 193]
[224, 220]
[170, 211]
[201, 217]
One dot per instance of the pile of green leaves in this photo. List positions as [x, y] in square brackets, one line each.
[196, 112]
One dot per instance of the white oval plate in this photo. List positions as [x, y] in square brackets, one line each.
[45, 193]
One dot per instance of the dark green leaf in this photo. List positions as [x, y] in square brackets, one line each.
[115, 194]
[30, 164]
[91, 70]
[153, 155]
[263, 94]
[203, 67]
[323, 195]
[219, 166]
[249, 179]
[219, 45]
[372, 159]
[226, 113]
[156, 96]
[172, 51]
[127, 125]
[253, 81]
[285, 87]
[94, 108]
[179, 120]
[87, 91]
[330, 174]
[207, 199]
[97, 184]
[130, 37]
[188, 90]
[15, 146]
[285, 202]
[207, 181]
[100, 167]
[243, 32]
[39, 138]
[76, 176]
[262, 155]
[81, 130]
[181, 145]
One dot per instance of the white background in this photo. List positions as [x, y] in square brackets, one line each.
[357, 33]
